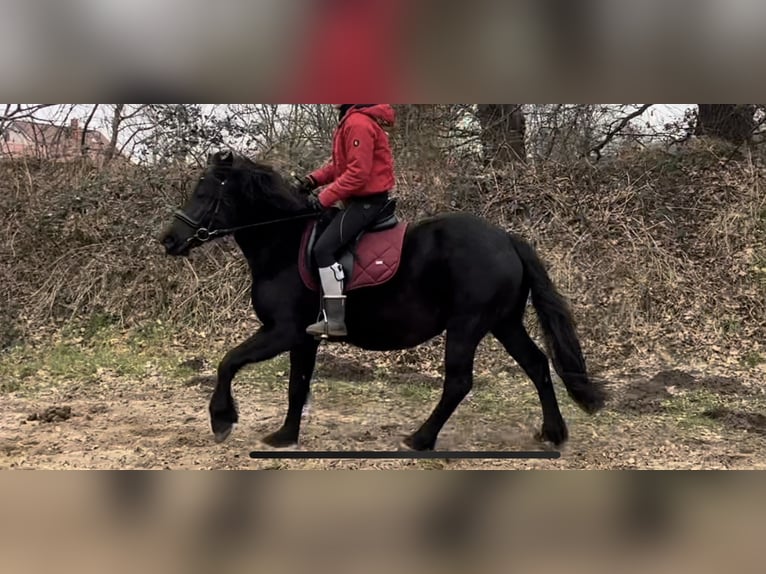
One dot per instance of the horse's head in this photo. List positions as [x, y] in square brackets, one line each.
[206, 209]
[232, 192]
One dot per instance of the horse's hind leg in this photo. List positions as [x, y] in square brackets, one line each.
[462, 340]
[528, 355]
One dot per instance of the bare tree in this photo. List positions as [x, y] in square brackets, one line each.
[86, 125]
[116, 123]
[734, 123]
[561, 132]
[617, 127]
[426, 132]
[564, 132]
[13, 112]
[503, 132]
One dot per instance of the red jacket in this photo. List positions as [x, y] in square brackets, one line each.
[351, 50]
[362, 163]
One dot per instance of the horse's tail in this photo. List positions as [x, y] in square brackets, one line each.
[559, 331]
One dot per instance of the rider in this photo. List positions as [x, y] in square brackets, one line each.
[360, 175]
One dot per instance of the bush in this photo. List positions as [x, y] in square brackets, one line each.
[652, 249]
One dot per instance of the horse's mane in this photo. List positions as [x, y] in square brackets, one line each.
[269, 184]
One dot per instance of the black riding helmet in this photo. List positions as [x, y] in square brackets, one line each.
[344, 108]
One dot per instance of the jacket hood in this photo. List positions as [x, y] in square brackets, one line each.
[383, 113]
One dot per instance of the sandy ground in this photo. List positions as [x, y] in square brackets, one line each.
[657, 419]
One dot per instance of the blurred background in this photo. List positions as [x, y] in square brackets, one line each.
[414, 522]
[313, 50]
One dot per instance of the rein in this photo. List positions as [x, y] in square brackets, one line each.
[203, 234]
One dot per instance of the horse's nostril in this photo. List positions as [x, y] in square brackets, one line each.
[167, 241]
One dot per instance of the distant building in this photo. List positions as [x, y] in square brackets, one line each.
[29, 139]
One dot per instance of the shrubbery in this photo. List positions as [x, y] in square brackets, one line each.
[653, 249]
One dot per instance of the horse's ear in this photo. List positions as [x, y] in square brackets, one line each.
[221, 159]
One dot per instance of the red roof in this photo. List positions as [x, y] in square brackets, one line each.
[52, 141]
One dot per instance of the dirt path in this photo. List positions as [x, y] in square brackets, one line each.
[671, 419]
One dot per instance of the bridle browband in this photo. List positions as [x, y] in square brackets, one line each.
[204, 234]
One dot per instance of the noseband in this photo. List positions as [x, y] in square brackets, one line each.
[201, 233]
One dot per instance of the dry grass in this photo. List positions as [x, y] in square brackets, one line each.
[80, 243]
[657, 252]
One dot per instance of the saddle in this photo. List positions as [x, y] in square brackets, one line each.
[370, 260]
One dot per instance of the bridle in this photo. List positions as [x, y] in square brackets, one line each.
[203, 233]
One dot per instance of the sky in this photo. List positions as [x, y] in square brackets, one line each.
[657, 115]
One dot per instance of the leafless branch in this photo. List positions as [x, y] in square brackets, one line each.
[614, 131]
[85, 127]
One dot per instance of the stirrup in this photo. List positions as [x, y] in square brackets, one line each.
[332, 316]
[323, 324]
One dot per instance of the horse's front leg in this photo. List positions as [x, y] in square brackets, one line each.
[302, 363]
[266, 344]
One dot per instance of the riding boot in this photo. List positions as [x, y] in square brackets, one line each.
[333, 304]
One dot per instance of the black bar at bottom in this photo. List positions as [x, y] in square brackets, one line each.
[403, 455]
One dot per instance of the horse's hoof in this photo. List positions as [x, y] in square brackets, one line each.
[279, 441]
[410, 444]
[287, 448]
[222, 436]
[554, 439]
[404, 447]
[280, 447]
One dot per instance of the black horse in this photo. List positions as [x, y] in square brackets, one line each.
[458, 273]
